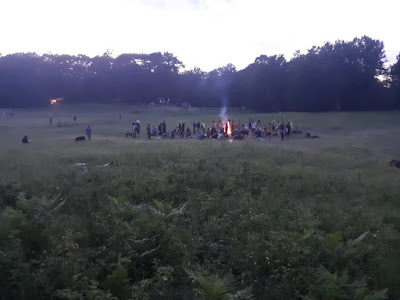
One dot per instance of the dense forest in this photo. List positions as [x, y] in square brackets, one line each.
[345, 75]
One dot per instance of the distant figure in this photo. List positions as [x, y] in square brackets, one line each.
[50, 119]
[188, 133]
[310, 136]
[138, 126]
[74, 118]
[25, 140]
[119, 116]
[289, 127]
[269, 130]
[194, 127]
[89, 132]
[149, 131]
[199, 136]
[282, 130]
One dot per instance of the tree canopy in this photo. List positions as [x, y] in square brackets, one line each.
[345, 75]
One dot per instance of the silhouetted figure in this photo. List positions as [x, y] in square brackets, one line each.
[163, 127]
[138, 126]
[25, 140]
[310, 136]
[149, 131]
[74, 118]
[50, 119]
[282, 130]
[89, 132]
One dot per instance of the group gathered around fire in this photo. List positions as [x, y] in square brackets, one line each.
[220, 130]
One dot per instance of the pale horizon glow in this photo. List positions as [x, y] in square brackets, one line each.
[202, 33]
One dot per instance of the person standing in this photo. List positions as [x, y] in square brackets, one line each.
[138, 126]
[89, 132]
[269, 130]
[164, 127]
[289, 128]
[50, 119]
[149, 131]
[282, 130]
[194, 127]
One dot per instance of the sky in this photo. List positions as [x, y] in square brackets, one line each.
[202, 33]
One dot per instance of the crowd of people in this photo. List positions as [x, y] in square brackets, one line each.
[221, 129]
[217, 130]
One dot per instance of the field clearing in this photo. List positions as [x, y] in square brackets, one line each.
[193, 219]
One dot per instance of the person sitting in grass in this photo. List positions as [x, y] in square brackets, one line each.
[188, 132]
[208, 133]
[311, 136]
[25, 140]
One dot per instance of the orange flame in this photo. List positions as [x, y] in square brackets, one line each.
[55, 100]
[229, 129]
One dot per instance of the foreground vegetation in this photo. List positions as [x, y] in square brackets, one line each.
[190, 219]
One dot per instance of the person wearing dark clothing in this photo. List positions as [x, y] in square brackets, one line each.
[138, 126]
[164, 127]
[309, 136]
[198, 126]
[289, 129]
[89, 132]
[159, 130]
[149, 131]
[194, 127]
[282, 130]
[188, 133]
[25, 140]
[74, 118]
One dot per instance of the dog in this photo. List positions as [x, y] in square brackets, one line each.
[131, 134]
[395, 163]
[80, 139]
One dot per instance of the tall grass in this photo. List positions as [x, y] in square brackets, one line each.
[190, 219]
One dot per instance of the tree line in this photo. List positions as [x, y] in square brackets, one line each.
[345, 75]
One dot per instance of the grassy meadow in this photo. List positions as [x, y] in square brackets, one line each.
[198, 219]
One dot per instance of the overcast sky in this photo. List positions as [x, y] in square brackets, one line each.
[203, 33]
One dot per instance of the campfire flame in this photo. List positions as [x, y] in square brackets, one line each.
[229, 133]
[55, 100]
[226, 124]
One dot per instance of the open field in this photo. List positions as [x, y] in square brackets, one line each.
[190, 219]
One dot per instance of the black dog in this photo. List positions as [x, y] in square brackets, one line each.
[80, 139]
[395, 163]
